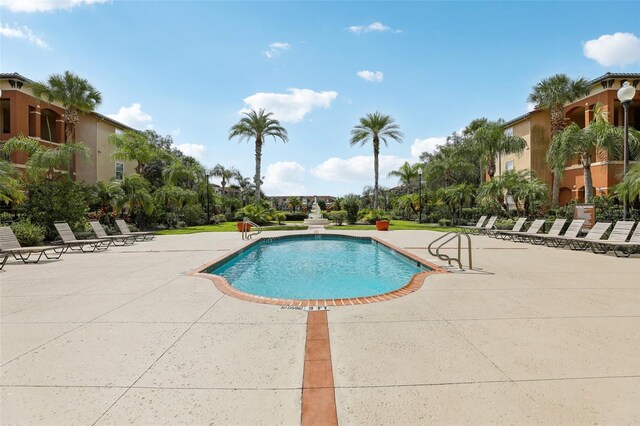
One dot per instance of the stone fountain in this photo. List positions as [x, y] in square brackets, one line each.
[315, 217]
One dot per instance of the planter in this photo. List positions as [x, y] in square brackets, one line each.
[382, 225]
[247, 226]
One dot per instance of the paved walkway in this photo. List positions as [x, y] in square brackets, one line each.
[533, 336]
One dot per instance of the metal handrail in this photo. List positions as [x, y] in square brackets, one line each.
[447, 258]
[246, 235]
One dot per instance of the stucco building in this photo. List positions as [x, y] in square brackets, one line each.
[535, 128]
[23, 114]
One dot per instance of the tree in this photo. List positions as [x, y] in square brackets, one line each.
[76, 94]
[458, 196]
[294, 202]
[491, 141]
[405, 173]
[258, 125]
[551, 94]
[45, 163]
[630, 186]
[375, 127]
[10, 186]
[226, 174]
[133, 146]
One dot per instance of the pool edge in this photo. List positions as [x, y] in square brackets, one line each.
[413, 285]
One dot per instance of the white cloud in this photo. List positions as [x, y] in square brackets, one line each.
[194, 150]
[426, 145]
[375, 76]
[175, 132]
[374, 27]
[613, 50]
[276, 49]
[358, 169]
[293, 106]
[133, 116]
[22, 32]
[284, 178]
[45, 5]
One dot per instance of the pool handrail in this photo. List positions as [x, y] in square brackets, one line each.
[246, 235]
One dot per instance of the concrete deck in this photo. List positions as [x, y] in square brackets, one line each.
[535, 335]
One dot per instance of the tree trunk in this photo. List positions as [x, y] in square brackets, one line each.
[555, 191]
[256, 178]
[376, 152]
[588, 181]
[491, 169]
[557, 125]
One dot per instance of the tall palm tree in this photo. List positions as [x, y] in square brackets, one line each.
[294, 202]
[630, 186]
[226, 174]
[258, 125]
[133, 146]
[10, 186]
[551, 95]
[76, 94]
[491, 142]
[45, 162]
[375, 127]
[405, 173]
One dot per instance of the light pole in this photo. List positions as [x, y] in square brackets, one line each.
[420, 195]
[625, 95]
[206, 176]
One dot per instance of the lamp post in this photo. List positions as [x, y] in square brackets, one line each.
[625, 95]
[420, 195]
[206, 175]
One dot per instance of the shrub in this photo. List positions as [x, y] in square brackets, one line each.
[371, 215]
[338, 216]
[193, 214]
[257, 213]
[219, 218]
[280, 217]
[51, 201]
[289, 216]
[351, 203]
[27, 233]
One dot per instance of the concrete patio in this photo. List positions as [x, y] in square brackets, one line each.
[534, 335]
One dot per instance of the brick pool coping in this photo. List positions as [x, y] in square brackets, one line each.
[414, 283]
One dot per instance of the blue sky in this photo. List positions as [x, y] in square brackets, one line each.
[187, 68]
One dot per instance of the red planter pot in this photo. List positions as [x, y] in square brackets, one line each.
[382, 225]
[247, 226]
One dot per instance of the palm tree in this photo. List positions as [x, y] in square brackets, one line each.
[76, 94]
[10, 186]
[598, 136]
[45, 162]
[258, 126]
[551, 94]
[294, 202]
[405, 173]
[226, 174]
[458, 196]
[529, 190]
[630, 186]
[375, 127]
[133, 146]
[491, 142]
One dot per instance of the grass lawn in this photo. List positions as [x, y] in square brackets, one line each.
[396, 225]
[229, 227]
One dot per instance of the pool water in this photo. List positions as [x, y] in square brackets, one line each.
[318, 267]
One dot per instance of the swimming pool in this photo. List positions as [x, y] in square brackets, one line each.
[317, 267]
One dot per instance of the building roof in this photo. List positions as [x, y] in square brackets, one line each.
[518, 118]
[16, 76]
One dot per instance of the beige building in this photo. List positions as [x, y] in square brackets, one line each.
[23, 114]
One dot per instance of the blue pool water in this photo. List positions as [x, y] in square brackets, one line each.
[317, 267]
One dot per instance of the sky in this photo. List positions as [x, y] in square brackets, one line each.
[189, 69]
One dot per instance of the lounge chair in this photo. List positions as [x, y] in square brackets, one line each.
[491, 223]
[619, 234]
[594, 234]
[476, 227]
[70, 240]
[116, 240]
[9, 245]
[139, 236]
[500, 233]
[520, 236]
[620, 249]
[555, 230]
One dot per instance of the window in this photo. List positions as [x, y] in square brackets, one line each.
[119, 171]
[508, 165]
[5, 116]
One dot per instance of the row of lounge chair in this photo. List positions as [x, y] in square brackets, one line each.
[620, 240]
[10, 246]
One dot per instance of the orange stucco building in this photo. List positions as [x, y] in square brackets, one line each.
[23, 114]
[535, 128]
